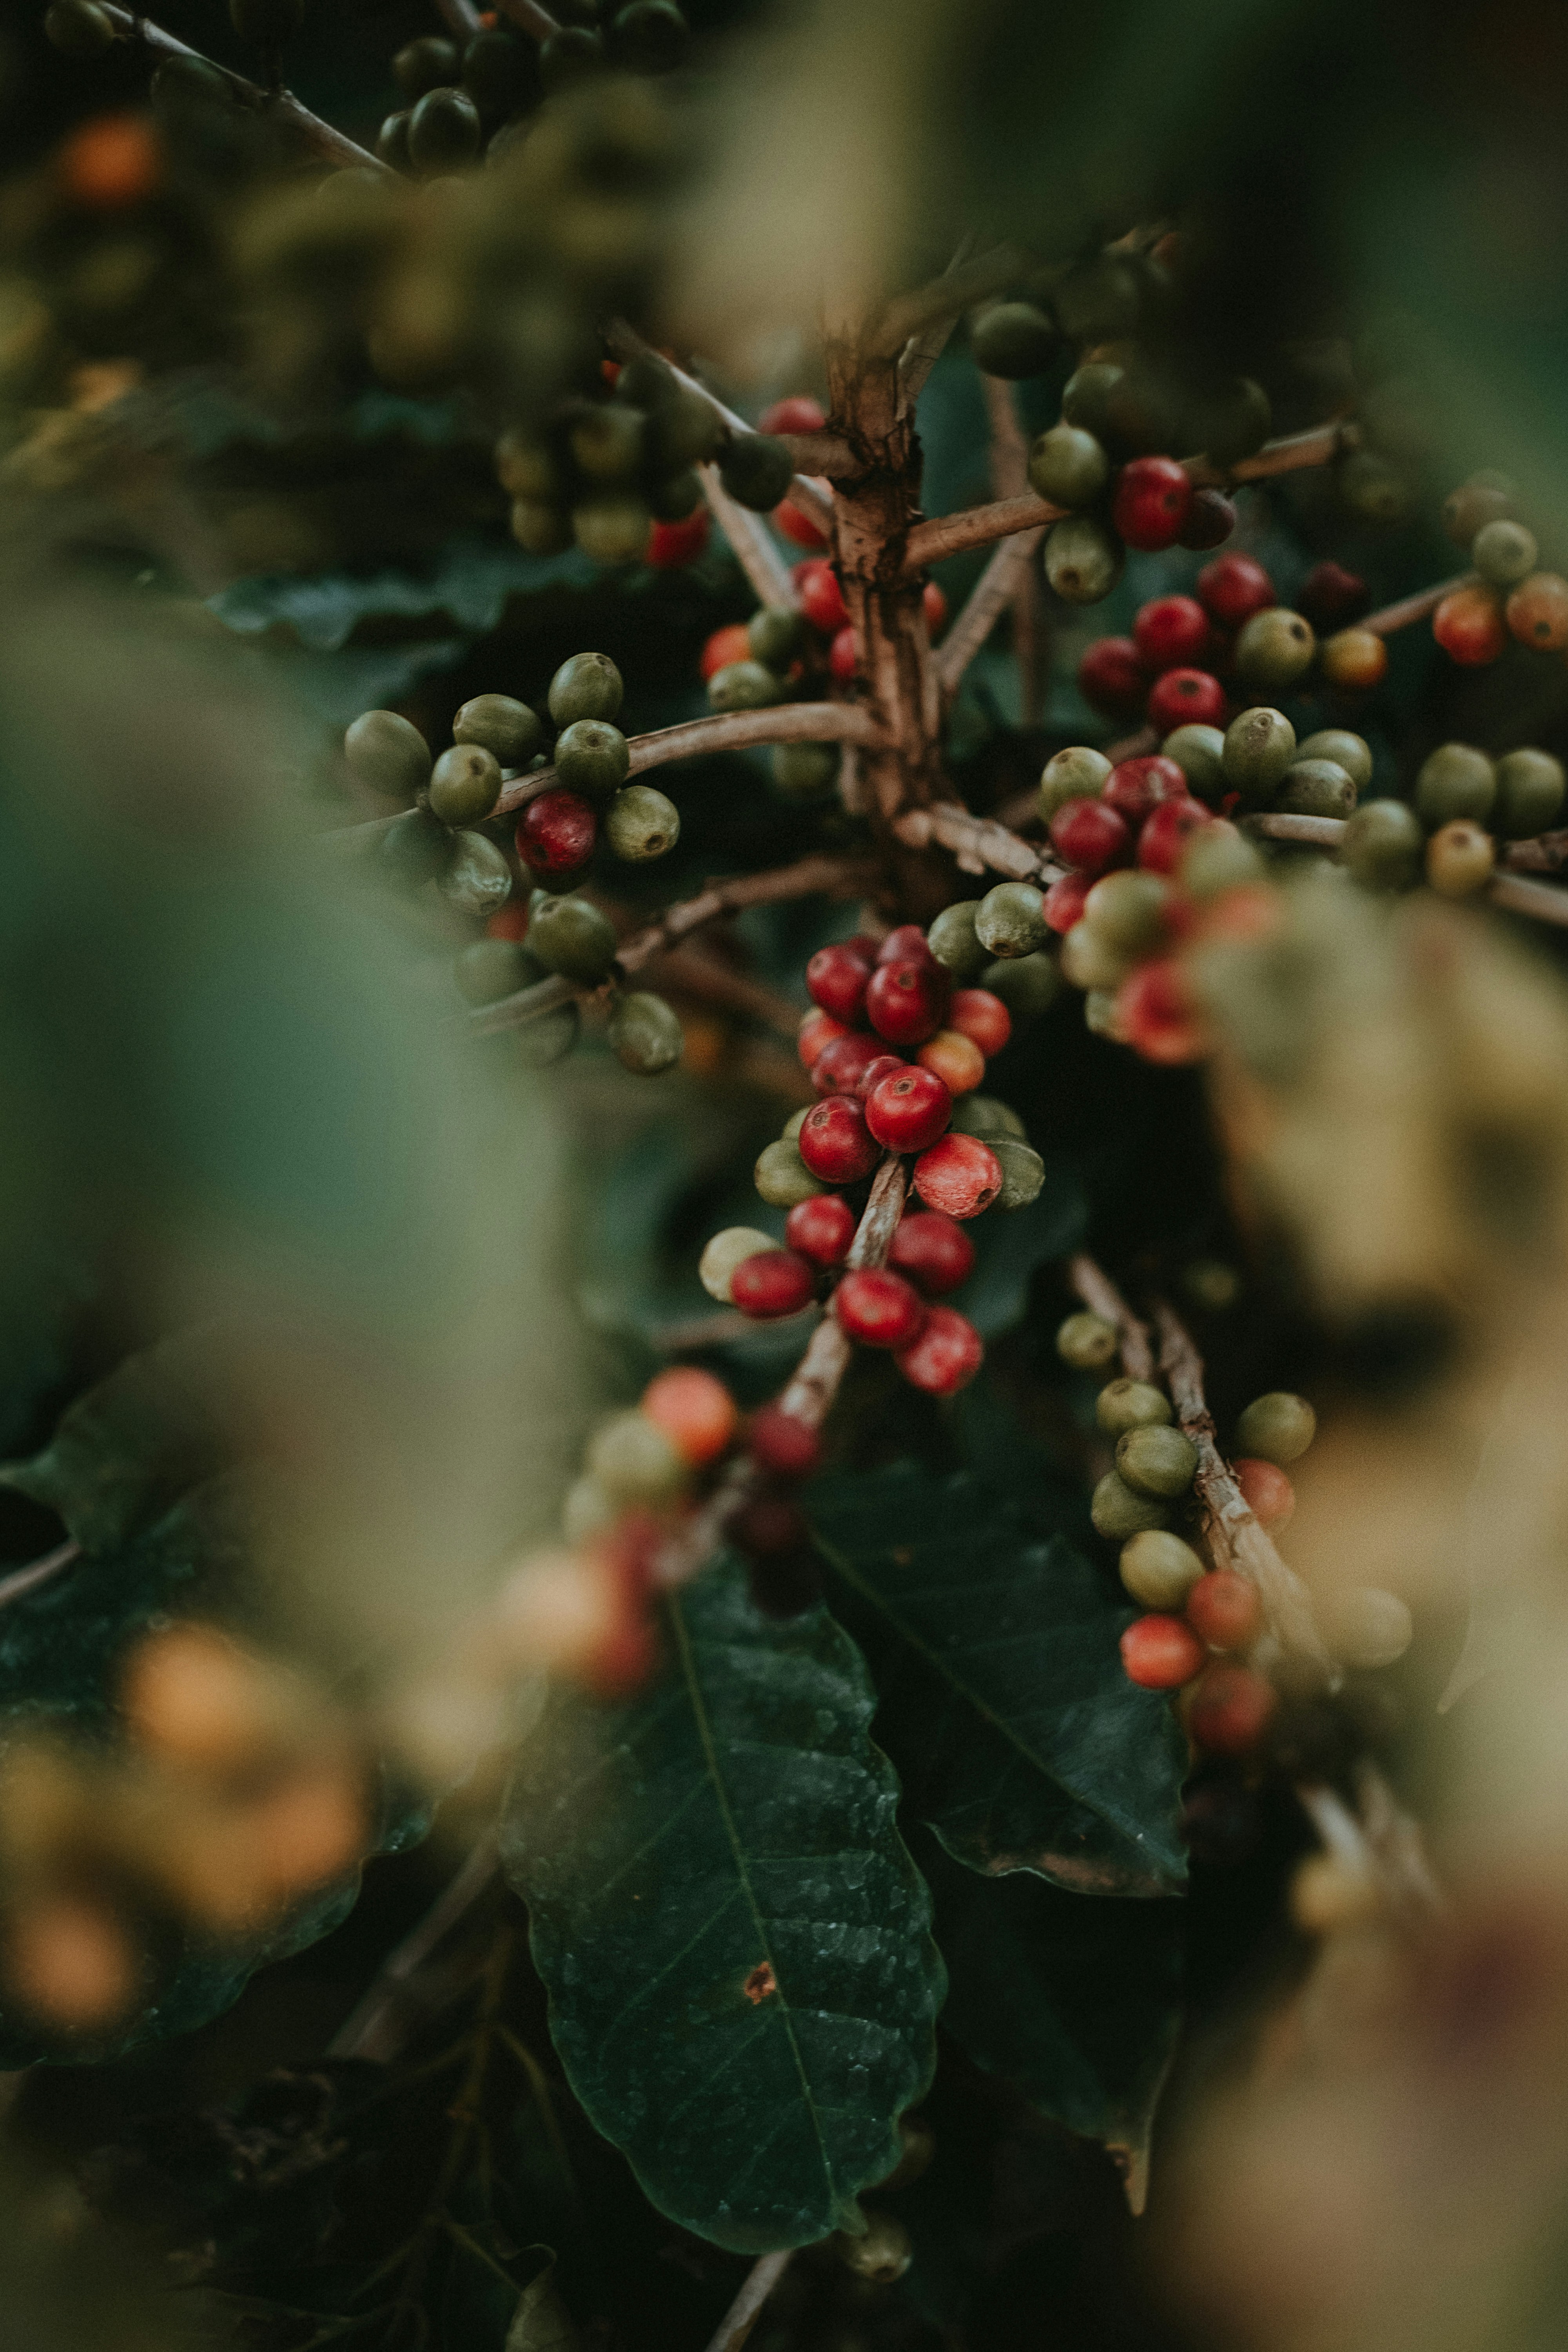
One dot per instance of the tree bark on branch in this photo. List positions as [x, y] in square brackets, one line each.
[280, 105]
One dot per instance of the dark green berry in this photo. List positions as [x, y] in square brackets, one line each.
[1350, 752]
[684, 429]
[387, 752]
[612, 528]
[757, 469]
[1231, 420]
[465, 784]
[1099, 301]
[1084, 560]
[773, 635]
[1074, 775]
[650, 36]
[1529, 794]
[501, 73]
[1199, 753]
[674, 498]
[489, 969]
[1023, 1171]
[478, 879]
[568, 935]
[428, 63]
[645, 1034]
[804, 772]
[1455, 781]
[1014, 339]
[1119, 1510]
[1129, 1404]
[1275, 648]
[1157, 1461]
[1010, 920]
[955, 943]
[1029, 985]
[392, 143]
[607, 440]
[549, 1036]
[1316, 788]
[744, 686]
[1069, 466]
[572, 55]
[592, 756]
[586, 686]
[414, 847]
[1087, 395]
[641, 823]
[987, 1116]
[1381, 845]
[1259, 745]
[499, 724]
[443, 131]
[78, 29]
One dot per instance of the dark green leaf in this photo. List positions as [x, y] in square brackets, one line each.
[1003, 1701]
[736, 1944]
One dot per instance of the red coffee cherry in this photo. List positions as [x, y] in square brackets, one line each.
[974, 1013]
[1224, 1609]
[1112, 679]
[906, 944]
[821, 1229]
[671, 545]
[885, 1065]
[1160, 1653]
[1469, 626]
[836, 978]
[1185, 698]
[797, 412]
[1233, 587]
[1151, 502]
[959, 1175]
[1164, 838]
[1170, 633]
[840, 1066]
[1134, 787]
[1330, 596]
[773, 1282]
[878, 1308]
[946, 1357]
[931, 1251]
[1230, 1709]
[821, 598]
[696, 1411]
[725, 645]
[1154, 1012]
[834, 1141]
[1269, 1494]
[788, 519]
[817, 1031]
[782, 1445]
[905, 1002]
[843, 653]
[933, 604]
[1089, 836]
[1062, 904]
[556, 834]
[909, 1109]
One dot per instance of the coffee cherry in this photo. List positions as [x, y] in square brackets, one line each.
[959, 1175]
[1277, 1428]
[1009, 921]
[1023, 1171]
[931, 1252]
[1383, 845]
[946, 1356]
[465, 784]
[1469, 626]
[556, 834]
[1331, 596]
[1028, 985]
[905, 1002]
[1077, 774]
[725, 645]
[843, 655]
[906, 942]
[1112, 680]
[955, 1059]
[1224, 1609]
[571, 936]
[641, 823]
[1157, 1460]
[982, 1017]
[650, 37]
[954, 942]
[756, 469]
[1275, 648]
[1328, 1893]
[782, 1443]
[548, 1039]
[835, 1142]
[390, 140]
[592, 756]
[1366, 1628]
[1259, 745]
[696, 1412]
[1455, 781]
[933, 605]
[1127, 1404]
[588, 686]
[1210, 521]
[1350, 752]
[804, 772]
[1504, 553]
[1086, 834]
[538, 527]
[879, 1309]
[444, 131]
[1137, 786]
[1468, 510]
[817, 1031]
[414, 848]
[606, 441]
[882, 1066]
[1084, 561]
[79, 29]
[725, 1253]
[1159, 1569]
[1217, 860]
[1160, 1653]
[1230, 1709]
[508, 731]
[821, 1230]
[1086, 1341]
[1316, 788]
[489, 969]
[744, 686]
[1126, 912]
[905, 1111]
[1232, 588]
[1154, 1010]
[1089, 961]
[1185, 698]
[1460, 859]
[1530, 787]
[1087, 396]
[773, 1282]
[500, 74]
[843, 1064]
[388, 754]
[645, 1034]
[633, 1461]
[1199, 753]
[986, 1115]
[1537, 612]
[1164, 838]
[1068, 466]
[836, 978]
[821, 598]
[1150, 502]
[1013, 340]
[773, 636]
[1170, 633]
[882, 2254]
[790, 523]
[1266, 1490]
[673, 545]
[428, 63]
[477, 879]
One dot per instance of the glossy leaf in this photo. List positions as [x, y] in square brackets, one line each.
[736, 1944]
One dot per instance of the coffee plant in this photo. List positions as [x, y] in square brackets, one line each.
[782, 1530]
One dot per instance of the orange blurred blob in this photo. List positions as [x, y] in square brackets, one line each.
[70, 1959]
[1269, 1494]
[197, 1700]
[114, 161]
[696, 1411]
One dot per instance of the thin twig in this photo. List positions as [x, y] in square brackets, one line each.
[755, 2288]
[1536, 899]
[1546, 853]
[1319, 446]
[529, 17]
[1007, 573]
[1511, 891]
[923, 350]
[1323, 832]
[1413, 608]
[1101, 1297]
[721, 1329]
[280, 105]
[943, 298]
[366, 2031]
[37, 1571]
[460, 18]
[692, 971]
[751, 543]
[803, 491]
[978, 842]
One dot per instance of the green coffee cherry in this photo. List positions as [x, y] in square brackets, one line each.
[633, 1461]
[773, 636]
[1504, 552]
[526, 469]
[79, 29]
[1529, 794]
[726, 1250]
[607, 441]
[1089, 961]
[1087, 395]
[1199, 753]
[1029, 985]
[1350, 752]
[489, 969]
[1068, 466]
[1127, 911]
[570, 56]
[744, 686]
[1367, 1628]
[613, 528]
[501, 726]
[955, 943]
[1084, 560]
[1159, 1569]
[1276, 1428]
[1099, 301]
[1259, 745]
[414, 847]
[1129, 1404]
[549, 1037]
[1075, 773]
[757, 469]
[804, 772]
[498, 73]
[675, 497]
[782, 1178]
[986, 1114]
[1219, 859]
[650, 37]
[1119, 1510]
[641, 823]
[1373, 488]
[1008, 921]
[570, 936]
[1233, 419]
[1316, 788]
[1275, 648]
[1455, 781]
[388, 753]
[428, 63]
[793, 1124]
[586, 686]
[1157, 1461]
[478, 879]
[1023, 1171]
[1087, 1342]
[592, 756]
[540, 528]
[1381, 845]
[685, 429]
[465, 784]
[645, 1034]
[1013, 340]
[444, 131]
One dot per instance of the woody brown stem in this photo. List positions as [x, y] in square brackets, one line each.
[279, 105]
[1007, 579]
[978, 842]
[1102, 1297]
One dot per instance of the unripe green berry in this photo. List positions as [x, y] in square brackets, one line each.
[500, 725]
[1316, 788]
[686, 428]
[488, 970]
[1087, 1342]
[1084, 560]
[793, 1124]
[1199, 753]
[1088, 394]
[757, 469]
[1382, 844]
[1159, 1569]
[1014, 339]
[1128, 1404]
[674, 498]
[1275, 648]
[444, 131]
[526, 469]
[1119, 1510]
[478, 879]
[1504, 553]
[1068, 466]
[1276, 1428]
[592, 756]
[79, 29]
[1027, 986]
[1127, 911]
[1075, 773]
[1217, 859]
[1373, 488]
[804, 772]
[612, 528]
[1090, 961]
[725, 1253]
[1157, 1461]
[388, 753]
[586, 686]
[633, 1461]
[607, 441]
[650, 37]
[1350, 752]
[1455, 781]
[1023, 1171]
[1460, 859]
[414, 847]
[570, 936]
[782, 1178]
[744, 686]
[571, 55]
[641, 823]
[986, 1114]
[1232, 420]
[428, 63]
[1259, 745]
[955, 943]
[882, 2253]
[1009, 922]
[465, 784]
[548, 1038]
[773, 636]
[1529, 794]
[1366, 1628]
[645, 1034]
[538, 527]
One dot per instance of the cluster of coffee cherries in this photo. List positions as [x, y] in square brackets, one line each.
[1188, 654]
[1512, 597]
[1465, 802]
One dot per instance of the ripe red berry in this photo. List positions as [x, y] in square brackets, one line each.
[821, 598]
[1224, 1609]
[790, 523]
[672, 544]
[1233, 587]
[1537, 612]
[935, 1254]
[976, 1012]
[724, 647]
[1155, 1013]
[842, 657]
[959, 1175]
[905, 1002]
[797, 412]
[955, 1059]
[817, 1031]
[836, 978]
[779, 1441]
[1170, 633]
[1210, 521]
[1164, 838]
[821, 1228]
[1089, 836]
[1062, 904]
[1112, 679]
[1160, 1653]
[909, 1109]
[946, 1357]
[1151, 502]
[696, 1411]
[1330, 596]
[1185, 698]
[1266, 1491]
[904, 941]
[1135, 787]
[933, 604]
[884, 1066]
[1230, 1710]
[1469, 626]
[773, 1282]
[841, 1066]
[834, 1141]
[556, 834]
[879, 1309]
